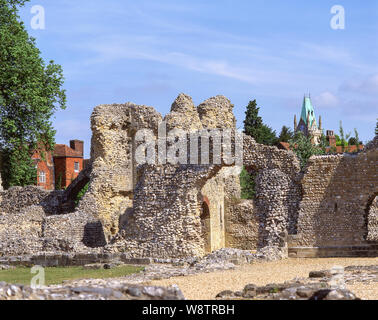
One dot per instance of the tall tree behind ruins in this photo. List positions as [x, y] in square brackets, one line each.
[30, 92]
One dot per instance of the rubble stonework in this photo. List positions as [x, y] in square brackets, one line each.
[113, 171]
[338, 192]
[165, 211]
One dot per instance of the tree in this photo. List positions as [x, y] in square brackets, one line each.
[30, 92]
[343, 138]
[254, 126]
[247, 184]
[303, 148]
[352, 141]
[286, 134]
[376, 128]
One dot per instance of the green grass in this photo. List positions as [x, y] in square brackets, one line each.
[22, 275]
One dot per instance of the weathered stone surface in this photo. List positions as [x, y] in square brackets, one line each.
[183, 115]
[289, 291]
[216, 112]
[112, 178]
[242, 224]
[319, 274]
[334, 210]
[111, 291]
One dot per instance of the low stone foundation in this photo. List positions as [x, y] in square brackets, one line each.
[334, 252]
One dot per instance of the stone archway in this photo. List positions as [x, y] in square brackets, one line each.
[205, 226]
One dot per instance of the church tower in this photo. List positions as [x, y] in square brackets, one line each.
[307, 123]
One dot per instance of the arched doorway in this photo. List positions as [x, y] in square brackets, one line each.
[205, 226]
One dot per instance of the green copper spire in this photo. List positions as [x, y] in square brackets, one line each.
[308, 111]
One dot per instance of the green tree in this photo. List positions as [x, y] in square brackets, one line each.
[247, 184]
[376, 128]
[343, 138]
[254, 126]
[303, 148]
[352, 141]
[285, 135]
[30, 92]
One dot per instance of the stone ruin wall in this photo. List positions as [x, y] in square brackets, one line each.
[154, 211]
[165, 219]
[34, 224]
[338, 207]
[112, 177]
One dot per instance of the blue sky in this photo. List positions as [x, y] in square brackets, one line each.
[148, 52]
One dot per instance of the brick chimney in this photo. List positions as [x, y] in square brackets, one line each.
[331, 138]
[77, 145]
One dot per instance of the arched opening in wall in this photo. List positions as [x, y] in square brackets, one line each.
[75, 192]
[205, 226]
[371, 219]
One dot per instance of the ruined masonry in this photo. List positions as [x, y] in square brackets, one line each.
[179, 211]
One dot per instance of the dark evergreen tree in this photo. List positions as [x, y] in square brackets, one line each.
[285, 135]
[254, 126]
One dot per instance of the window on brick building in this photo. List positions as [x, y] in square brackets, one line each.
[42, 177]
[77, 167]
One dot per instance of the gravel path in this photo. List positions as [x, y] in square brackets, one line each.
[208, 285]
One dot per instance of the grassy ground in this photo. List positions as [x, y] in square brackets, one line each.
[59, 274]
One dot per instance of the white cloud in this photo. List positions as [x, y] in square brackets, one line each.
[369, 84]
[326, 100]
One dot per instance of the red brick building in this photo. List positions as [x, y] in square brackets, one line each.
[45, 169]
[68, 162]
[60, 167]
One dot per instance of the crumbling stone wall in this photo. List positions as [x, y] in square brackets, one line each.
[165, 221]
[33, 220]
[32, 231]
[112, 177]
[155, 210]
[21, 232]
[15, 199]
[337, 192]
